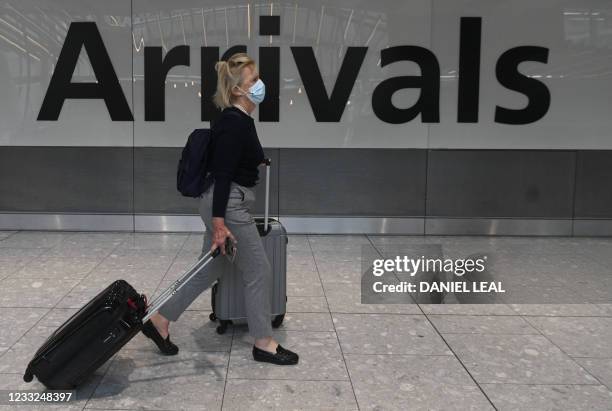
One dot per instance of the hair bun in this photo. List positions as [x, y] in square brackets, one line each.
[219, 64]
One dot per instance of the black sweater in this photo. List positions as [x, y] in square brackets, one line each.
[237, 153]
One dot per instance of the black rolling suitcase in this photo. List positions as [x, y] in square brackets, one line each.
[99, 329]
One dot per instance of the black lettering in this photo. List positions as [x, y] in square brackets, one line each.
[428, 104]
[537, 93]
[328, 109]
[469, 69]
[269, 71]
[156, 70]
[84, 35]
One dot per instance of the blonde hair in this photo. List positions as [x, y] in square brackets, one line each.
[229, 74]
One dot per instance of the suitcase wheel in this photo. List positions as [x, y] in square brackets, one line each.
[278, 320]
[28, 376]
[212, 317]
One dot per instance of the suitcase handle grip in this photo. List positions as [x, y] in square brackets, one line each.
[229, 248]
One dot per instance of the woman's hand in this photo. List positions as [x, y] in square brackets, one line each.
[220, 233]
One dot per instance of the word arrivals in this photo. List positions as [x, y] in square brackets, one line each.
[325, 107]
[442, 286]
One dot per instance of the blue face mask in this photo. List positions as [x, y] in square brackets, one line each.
[257, 92]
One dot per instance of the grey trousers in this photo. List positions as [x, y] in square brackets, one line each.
[251, 262]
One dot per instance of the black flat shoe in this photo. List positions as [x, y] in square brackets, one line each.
[165, 345]
[282, 356]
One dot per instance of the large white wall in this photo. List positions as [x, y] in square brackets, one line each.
[578, 74]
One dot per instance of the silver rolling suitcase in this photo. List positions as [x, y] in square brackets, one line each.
[228, 292]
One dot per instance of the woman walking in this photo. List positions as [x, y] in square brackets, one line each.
[225, 210]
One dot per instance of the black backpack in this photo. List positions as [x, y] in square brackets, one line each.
[191, 178]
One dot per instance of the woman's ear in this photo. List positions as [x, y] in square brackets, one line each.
[236, 91]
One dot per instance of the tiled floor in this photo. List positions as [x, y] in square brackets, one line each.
[504, 356]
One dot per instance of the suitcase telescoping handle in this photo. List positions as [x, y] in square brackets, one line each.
[189, 274]
[267, 162]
